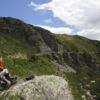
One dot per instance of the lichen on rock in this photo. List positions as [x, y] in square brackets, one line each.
[40, 88]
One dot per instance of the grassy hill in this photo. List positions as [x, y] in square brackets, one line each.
[17, 44]
[28, 49]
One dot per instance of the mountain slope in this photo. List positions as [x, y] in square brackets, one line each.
[28, 49]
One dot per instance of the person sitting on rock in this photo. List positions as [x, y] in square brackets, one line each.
[4, 73]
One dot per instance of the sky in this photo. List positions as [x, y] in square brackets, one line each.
[73, 17]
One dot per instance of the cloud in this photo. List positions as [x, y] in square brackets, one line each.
[57, 30]
[83, 14]
[48, 21]
[90, 33]
[32, 4]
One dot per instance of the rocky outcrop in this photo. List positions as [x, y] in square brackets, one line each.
[40, 88]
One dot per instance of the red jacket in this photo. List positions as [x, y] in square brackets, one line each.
[1, 65]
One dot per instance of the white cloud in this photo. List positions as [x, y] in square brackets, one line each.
[32, 4]
[84, 14]
[57, 30]
[90, 33]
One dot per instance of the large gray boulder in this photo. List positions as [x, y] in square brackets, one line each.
[40, 88]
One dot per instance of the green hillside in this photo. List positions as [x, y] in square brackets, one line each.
[28, 49]
[16, 49]
[16, 56]
[79, 44]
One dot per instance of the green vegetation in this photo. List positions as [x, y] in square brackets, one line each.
[79, 44]
[22, 67]
[10, 47]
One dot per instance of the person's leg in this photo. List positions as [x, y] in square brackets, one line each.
[6, 80]
[13, 80]
[8, 77]
[3, 73]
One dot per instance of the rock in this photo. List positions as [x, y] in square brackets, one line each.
[40, 88]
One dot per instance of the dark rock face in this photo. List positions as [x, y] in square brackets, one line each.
[48, 38]
[80, 59]
[75, 59]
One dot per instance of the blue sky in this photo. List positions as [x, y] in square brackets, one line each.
[20, 9]
[59, 16]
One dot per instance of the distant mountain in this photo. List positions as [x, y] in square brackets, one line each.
[35, 50]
